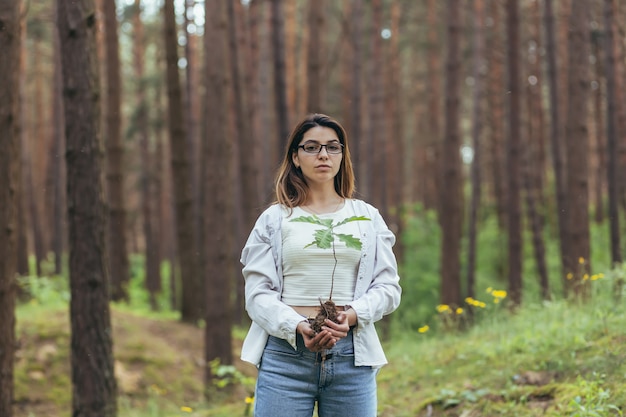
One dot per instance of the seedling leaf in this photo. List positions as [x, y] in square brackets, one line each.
[352, 219]
[324, 238]
[350, 241]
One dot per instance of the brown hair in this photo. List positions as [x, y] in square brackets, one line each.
[291, 188]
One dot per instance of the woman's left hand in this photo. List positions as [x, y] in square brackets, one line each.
[341, 328]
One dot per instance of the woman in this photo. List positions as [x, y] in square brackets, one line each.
[285, 281]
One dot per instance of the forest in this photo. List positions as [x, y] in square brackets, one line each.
[140, 140]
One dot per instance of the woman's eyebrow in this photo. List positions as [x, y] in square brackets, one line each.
[318, 140]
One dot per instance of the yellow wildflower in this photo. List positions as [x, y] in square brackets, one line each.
[481, 304]
[249, 400]
[496, 300]
[581, 260]
[569, 275]
[585, 277]
[489, 290]
[441, 308]
[499, 294]
[186, 409]
[459, 310]
[423, 329]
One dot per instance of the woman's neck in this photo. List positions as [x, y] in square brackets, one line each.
[319, 203]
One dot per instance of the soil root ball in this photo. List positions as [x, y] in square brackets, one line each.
[327, 310]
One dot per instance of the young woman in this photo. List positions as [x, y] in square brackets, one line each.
[285, 280]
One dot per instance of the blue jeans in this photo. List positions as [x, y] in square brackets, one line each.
[291, 382]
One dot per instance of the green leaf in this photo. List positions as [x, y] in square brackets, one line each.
[324, 238]
[352, 219]
[309, 219]
[350, 241]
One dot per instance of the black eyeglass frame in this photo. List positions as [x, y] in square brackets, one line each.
[322, 146]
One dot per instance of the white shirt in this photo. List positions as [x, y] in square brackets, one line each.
[377, 291]
[310, 272]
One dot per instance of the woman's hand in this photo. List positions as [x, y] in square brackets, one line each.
[344, 320]
[316, 342]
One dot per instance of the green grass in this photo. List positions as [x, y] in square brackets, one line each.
[560, 358]
[576, 350]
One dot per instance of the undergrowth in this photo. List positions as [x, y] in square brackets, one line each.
[549, 358]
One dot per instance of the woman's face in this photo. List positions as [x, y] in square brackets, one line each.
[321, 166]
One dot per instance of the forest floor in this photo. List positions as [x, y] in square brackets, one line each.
[551, 359]
[159, 365]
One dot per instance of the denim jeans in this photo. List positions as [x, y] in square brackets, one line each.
[290, 383]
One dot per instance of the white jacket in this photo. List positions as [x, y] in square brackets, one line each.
[377, 292]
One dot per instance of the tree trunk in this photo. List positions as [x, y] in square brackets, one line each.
[59, 208]
[316, 25]
[10, 38]
[395, 142]
[217, 153]
[530, 184]
[477, 101]
[152, 261]
[612, 135]
[577, 150]
[556, 130]
[375, 177]
[280, 88]
[432, 142]
[37, 158]
[450, 192]
[93, 379]
[513, 155]
[244, 136]
[118, 256]
[601, 158]
[531, 153]
[356, 94]
[192, 120]
[495, 115]
[23, 267]
[192, 285]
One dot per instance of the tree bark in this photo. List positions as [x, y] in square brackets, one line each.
[495, 115]
[477, 130]
[218, 266]
[118, 256]
[93, 379]
[356, 94]
[556, 130]
[280, 88]
[316, 24]
[23, 267]
[244, 137]
[600, 151]
[374, 178]
[531, 153]
[577, 150]
[152, 261]
[513, 155]
[432, 142]
[612, 135]
[450, 191]
[191, 115]
[192, 285]
[10, 39]
[59, 224]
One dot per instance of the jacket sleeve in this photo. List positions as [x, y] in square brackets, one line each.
[383, 293]
[263, 285]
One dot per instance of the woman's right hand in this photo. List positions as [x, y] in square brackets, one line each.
[315, 342]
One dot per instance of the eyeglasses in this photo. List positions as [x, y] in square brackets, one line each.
[314, 147]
